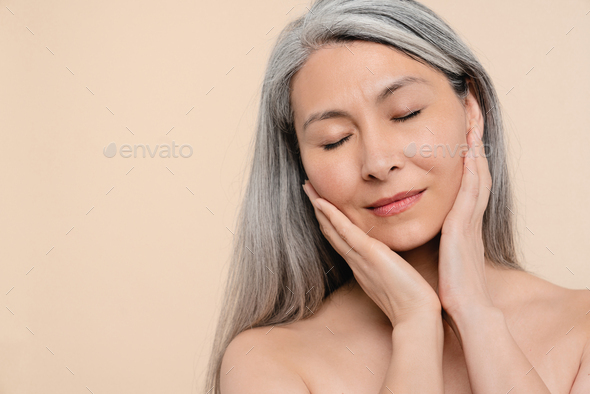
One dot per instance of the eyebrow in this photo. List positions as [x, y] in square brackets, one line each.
[386, 92]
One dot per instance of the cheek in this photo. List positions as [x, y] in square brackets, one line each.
[440, 144]
[447, 174]
[443, 155]
[449, 166]
[442, 164]
[332, 179]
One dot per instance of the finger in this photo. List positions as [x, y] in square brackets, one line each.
[485, 178]
[331, 234]
[326, 227]
[464, 206]
[357, 240]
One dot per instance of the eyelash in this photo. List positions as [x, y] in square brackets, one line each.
[406, 117]
[337, 144]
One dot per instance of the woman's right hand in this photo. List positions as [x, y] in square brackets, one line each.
[391, 282]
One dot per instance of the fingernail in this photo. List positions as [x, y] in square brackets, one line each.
[303, 186]
[317, 205]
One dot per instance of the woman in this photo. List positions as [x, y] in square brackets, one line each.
[394, 268]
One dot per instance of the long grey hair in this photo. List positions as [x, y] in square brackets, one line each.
[282, 266]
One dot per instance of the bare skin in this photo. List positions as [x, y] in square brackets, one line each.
[538, 314]
[511, 331]
[315, 351]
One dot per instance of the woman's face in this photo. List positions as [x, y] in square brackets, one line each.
[370, 164]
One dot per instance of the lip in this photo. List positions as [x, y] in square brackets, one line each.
[396, 204]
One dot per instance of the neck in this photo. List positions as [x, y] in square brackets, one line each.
[424, 259]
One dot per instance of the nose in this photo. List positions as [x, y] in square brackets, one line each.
[381, 154]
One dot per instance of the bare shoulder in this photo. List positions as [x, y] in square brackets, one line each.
[572, 306]
[576, 305]
[560, 320]
[553, 295]
[580, 301]
[546, 290]
[257, 362]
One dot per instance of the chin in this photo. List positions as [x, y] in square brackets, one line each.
[405, 239]
[404, 245]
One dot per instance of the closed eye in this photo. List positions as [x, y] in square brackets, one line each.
[343, 140]
[406, 117]
[336, 144]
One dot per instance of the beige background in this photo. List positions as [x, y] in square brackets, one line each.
[111, 268]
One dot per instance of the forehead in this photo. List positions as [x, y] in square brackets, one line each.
[338, 75]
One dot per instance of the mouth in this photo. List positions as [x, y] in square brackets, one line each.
[396, 204]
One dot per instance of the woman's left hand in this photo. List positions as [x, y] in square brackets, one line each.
[462, 281]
